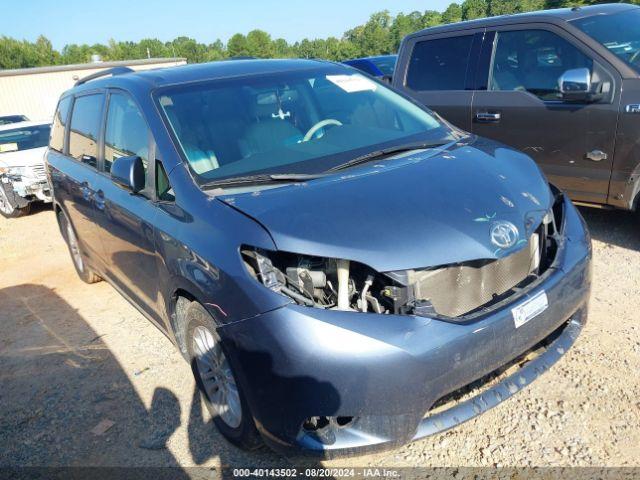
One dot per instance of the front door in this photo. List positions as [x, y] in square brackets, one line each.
[126, 219]
[572, 142]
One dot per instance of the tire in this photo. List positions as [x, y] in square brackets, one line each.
[86, 274]
[8, 209]
[211, 367]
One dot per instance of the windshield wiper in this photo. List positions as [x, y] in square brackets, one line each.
[262, 178]
[377, 154]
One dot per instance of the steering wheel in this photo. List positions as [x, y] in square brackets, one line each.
[322, 123]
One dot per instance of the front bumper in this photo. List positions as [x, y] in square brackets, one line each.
[387, 371]
[23, 190]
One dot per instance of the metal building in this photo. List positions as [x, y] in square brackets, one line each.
[34, 92]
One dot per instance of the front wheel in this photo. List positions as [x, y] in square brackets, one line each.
[7, 207]
[216, 380]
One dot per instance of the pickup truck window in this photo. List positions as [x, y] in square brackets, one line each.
[439, 64]
[620, 33]
[533, 61]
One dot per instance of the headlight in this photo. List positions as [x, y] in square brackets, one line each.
[320, 282]
[13, 171]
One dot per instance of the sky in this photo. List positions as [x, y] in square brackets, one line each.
[93, 21]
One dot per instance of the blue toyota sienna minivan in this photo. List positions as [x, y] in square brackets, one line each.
[343, 269]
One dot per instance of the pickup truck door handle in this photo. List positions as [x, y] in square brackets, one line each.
[596, 155]
[488, 117]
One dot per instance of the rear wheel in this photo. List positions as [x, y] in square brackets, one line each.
[216, 380]
[8, 209]
[84, 272]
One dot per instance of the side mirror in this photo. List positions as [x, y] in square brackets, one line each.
[575, 84]
[387, 78]
[128, 172]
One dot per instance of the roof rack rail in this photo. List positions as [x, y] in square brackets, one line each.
[103, 73]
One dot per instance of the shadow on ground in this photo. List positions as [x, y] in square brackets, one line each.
[65, 400]
[617, 227]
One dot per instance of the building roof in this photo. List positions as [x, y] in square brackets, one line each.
[553, 16]
[89, 66]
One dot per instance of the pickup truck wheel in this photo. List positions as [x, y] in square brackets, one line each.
[8, 209]
[84, 272]
[216, 380]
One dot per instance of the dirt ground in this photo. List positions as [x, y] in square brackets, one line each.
[86, 380]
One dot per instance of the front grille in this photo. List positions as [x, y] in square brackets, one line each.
[455, 290]
[39, 172]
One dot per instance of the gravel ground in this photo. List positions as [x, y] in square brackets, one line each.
[86, 380]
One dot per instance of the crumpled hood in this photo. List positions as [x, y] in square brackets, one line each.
[425, 209]
[23, 158]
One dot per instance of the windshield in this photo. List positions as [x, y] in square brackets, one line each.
[620, 33]
[293, 122]
[12, 119]
[24, 138]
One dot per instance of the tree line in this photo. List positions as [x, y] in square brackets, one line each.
[381, 34]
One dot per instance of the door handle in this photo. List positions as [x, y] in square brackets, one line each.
[98, 199]
[596, 155]
[488, 117]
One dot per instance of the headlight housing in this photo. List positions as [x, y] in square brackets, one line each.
[318, 282]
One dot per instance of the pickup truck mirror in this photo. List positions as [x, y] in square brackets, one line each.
[128, 172]
[575, 84]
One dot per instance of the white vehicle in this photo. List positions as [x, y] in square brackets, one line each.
[23, 178]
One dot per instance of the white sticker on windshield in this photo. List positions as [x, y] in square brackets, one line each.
[8, 147]
[352, 83]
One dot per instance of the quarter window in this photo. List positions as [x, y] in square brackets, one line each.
[85, 128]
[439, 64]
[533, 61]
[164, 191]
[56, 142]
[126, 133]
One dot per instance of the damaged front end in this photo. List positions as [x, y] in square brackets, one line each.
[23, 185]
[454, 292]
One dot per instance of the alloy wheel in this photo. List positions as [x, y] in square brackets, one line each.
[75, 249]
[216, 376]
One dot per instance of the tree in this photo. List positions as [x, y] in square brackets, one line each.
[259, 44]
[402, 26]
[281, 48]
[381, 34]
[372, 38]
[237, 46]
[472, 9]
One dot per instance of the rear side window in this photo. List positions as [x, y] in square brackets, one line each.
[439, 64]
[126, 133]
[85, 128]
[56, 141]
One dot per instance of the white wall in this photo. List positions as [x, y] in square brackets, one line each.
[36, 95]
